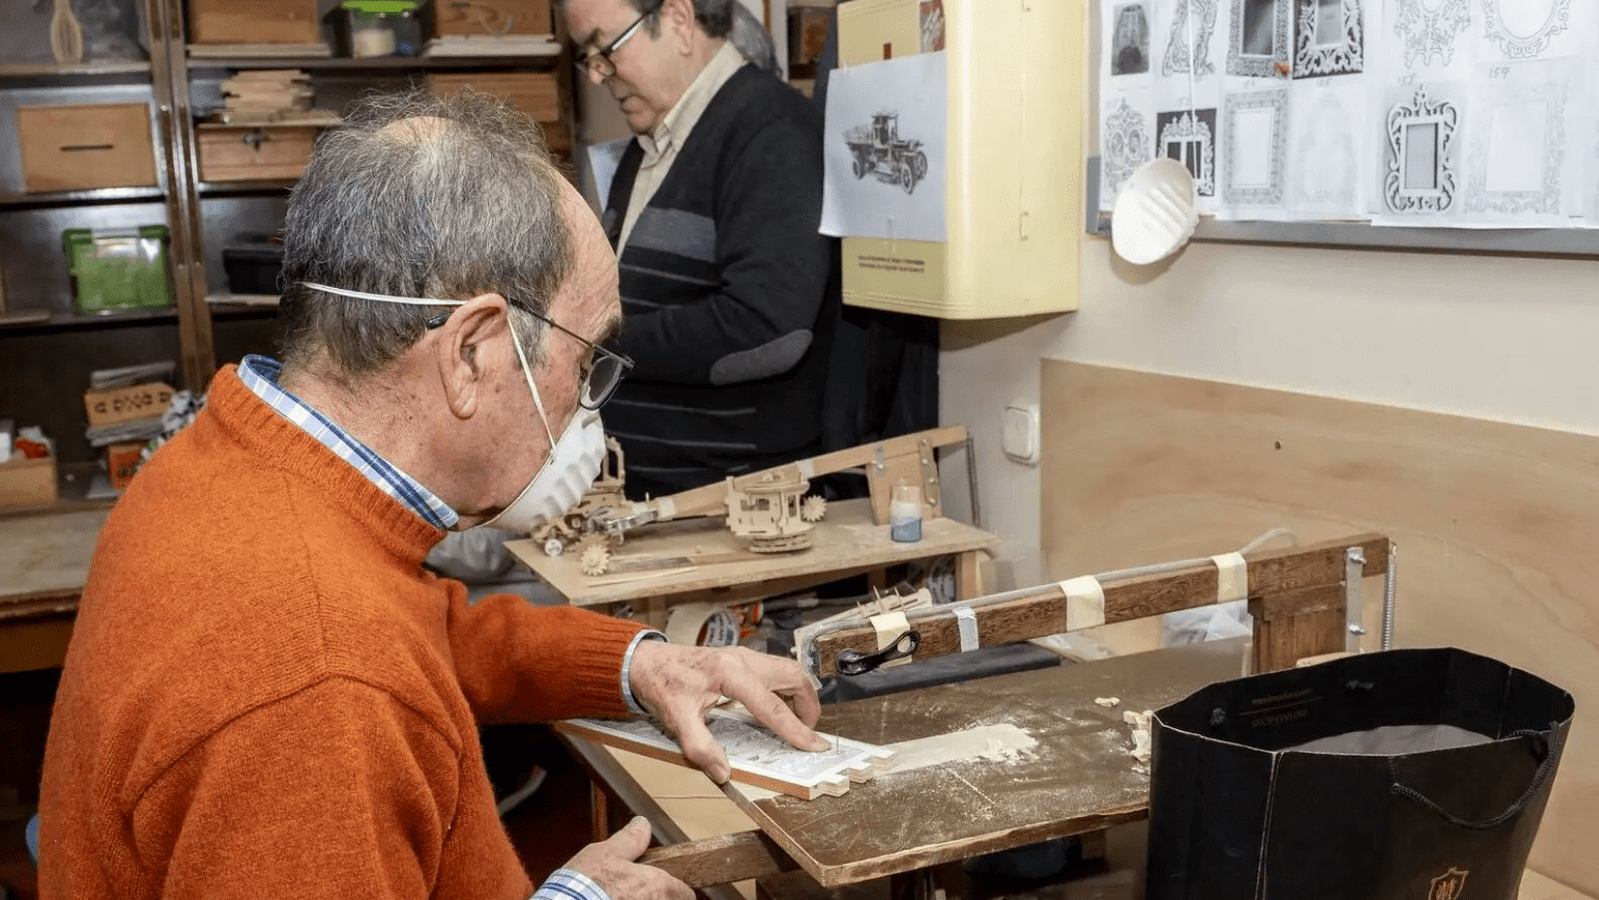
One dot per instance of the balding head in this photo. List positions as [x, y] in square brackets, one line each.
[416, 196]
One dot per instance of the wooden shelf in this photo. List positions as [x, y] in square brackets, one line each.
[12, 200]
[231, 188]
[242, 303]
[56, 320]
[53, 73]
[374, 64]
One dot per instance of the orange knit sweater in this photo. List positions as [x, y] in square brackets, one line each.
[267, 696]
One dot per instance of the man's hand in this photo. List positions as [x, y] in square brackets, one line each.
[680, 684]
[611, 864]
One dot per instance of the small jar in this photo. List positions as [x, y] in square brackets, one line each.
[905, 513]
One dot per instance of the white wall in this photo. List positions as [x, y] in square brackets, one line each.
[1505, 338]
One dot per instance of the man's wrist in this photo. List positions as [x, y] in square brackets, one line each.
[648, 634]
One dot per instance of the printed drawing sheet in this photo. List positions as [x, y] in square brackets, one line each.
[1434, 113]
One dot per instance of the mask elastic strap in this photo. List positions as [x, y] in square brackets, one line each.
[527, 371]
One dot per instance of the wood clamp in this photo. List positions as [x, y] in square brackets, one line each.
[854, 662]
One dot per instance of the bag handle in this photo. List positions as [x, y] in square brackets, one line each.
[1541, 747]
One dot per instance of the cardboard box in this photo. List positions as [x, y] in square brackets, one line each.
[451, 18]
[82, 147]
[28, 482]
[251, 153]
[122, 461]
[535, 93]
[124, 404]
[254, 22]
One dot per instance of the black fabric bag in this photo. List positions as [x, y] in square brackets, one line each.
[1425, 777]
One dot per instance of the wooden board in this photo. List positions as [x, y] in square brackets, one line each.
[45, 559]
[1299, 580]
[1078, 777]
[845, 543]
[1494, 523]
[756, 756]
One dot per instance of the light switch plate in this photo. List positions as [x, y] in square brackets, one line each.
[1018, 432]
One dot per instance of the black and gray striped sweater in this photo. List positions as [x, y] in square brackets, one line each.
[728, 294]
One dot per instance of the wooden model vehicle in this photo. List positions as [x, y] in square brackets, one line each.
[605, 495]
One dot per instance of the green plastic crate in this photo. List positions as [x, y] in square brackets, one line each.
[115, 270]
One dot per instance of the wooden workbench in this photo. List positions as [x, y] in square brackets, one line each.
[846, 543]
[44, 562]
[1078, 778]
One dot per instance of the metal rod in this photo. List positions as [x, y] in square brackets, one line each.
[1388, 597]
[971, 481]
[1354, 609]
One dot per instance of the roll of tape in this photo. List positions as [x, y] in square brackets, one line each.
[702, 624]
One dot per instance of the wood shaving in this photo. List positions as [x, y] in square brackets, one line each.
[1108, 702]
[1140, 721]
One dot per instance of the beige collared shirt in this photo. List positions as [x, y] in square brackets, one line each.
[660, 147]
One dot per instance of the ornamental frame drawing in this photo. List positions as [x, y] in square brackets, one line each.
[1272, 193]
[1545, 201]
[1179, 56]
[1404, 120]
[1431, 31]
[1126, 145]
[1273, 65]
[1515, 46]
[1191, 130]
[1314, 58]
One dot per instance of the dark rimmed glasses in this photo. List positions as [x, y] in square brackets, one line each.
[599, 61]
[607, 368]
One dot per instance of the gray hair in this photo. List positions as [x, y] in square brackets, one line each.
[468, 207]
[715, 17]
[751, 39]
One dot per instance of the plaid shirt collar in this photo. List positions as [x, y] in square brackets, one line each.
[260, 375]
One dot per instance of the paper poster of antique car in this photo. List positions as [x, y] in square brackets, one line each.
[878, 148]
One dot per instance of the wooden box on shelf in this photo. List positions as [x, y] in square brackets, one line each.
[122, 461]
[126, 404]
[27, 482]
[535, 93]
[456, 18]
[254, 152]
[86, 146]
[254, 21]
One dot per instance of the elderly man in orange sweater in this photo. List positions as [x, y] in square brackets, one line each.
[266, 694]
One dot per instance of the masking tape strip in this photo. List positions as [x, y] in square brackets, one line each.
[667, 506]
[1232, 577]
[890, 627]
[966, 621]
[1085, 602]
[807, 469]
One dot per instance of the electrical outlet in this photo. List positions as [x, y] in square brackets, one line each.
[1018, 432]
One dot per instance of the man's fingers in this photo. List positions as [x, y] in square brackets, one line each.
[695, 740]
[775, 714]
[632, 840]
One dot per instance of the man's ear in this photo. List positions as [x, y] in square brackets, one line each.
[460, 346]
[677, 16]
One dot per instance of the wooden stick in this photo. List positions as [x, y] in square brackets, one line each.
[1036, 612]
[722, 859]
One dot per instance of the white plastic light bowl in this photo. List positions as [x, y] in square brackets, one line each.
[1156, 212]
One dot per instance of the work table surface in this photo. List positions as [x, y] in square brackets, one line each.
[1079, 777]
[44, 560]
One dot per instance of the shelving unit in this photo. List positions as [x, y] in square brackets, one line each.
[47, 348]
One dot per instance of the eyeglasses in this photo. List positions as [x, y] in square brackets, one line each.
[599, 61]
[607, 368]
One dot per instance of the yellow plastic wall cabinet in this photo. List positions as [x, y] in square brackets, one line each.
[1014, 191]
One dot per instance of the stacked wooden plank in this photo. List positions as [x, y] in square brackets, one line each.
[270, 96]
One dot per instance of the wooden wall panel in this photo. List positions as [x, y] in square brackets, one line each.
[1496, 524]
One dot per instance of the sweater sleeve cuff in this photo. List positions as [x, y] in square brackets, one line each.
[627, 669]
[570, 884]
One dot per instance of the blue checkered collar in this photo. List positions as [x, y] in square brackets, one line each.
[260, 374]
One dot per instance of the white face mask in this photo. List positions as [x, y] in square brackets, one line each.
[574, 459]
